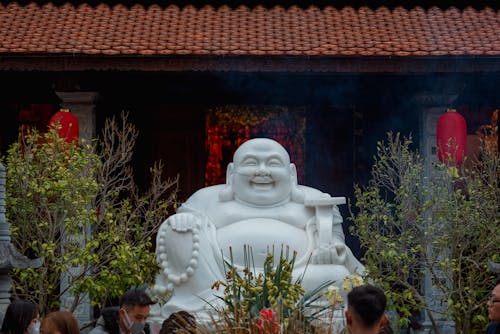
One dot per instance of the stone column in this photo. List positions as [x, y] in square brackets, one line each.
[4, 239]
[82, 105]
[432, 106]
[9, 257]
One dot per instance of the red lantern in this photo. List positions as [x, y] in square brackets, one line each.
[451, 137]
[66, 124]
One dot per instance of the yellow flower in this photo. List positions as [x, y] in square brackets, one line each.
[346, 285]
[352, 282]
[452, 172]
[216, 285]
[356, 280]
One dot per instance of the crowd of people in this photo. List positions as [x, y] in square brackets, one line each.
[365, 314]
[23, 317]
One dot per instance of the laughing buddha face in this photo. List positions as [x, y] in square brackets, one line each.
[262, 174]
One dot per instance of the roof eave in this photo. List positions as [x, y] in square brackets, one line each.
[250, 63]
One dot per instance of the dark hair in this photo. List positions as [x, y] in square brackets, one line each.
[177, 321]
[135, 297]
[368, 302]
[18, 316]
[111, 315]
[62, 322]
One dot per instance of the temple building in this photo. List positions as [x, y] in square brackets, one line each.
[321, 78]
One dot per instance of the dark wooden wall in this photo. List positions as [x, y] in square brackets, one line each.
[346, 114]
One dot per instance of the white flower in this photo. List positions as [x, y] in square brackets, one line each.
[333, 296]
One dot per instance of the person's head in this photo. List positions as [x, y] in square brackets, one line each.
[135, 306]
[494, 303]
[179, 322]
[60, 322]
[365, 310]
[261, 173]
[21, 317]
[111, 317]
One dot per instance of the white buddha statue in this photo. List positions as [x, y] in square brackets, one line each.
[261, 205]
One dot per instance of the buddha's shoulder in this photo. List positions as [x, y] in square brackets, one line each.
[204, 196]
[310, 192]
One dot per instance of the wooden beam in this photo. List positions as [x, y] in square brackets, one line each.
[398, 65]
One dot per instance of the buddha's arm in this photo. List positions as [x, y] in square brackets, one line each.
[338, 232]
[352, 263]
[329, 239]
[327, 217]
[332, 249]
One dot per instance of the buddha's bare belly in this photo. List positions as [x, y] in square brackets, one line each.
[261, 234]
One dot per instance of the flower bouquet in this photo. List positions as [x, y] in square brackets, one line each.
[270, 301]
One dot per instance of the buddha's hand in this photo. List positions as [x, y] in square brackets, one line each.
[329, 253]
[183, 222]
[160, 286]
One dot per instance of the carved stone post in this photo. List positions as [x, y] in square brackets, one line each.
[432, 106]
[9, 257]
[82, 105]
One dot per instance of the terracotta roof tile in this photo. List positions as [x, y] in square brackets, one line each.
[312, 31]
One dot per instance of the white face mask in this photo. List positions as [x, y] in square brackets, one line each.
[34, 328]
[134, 327]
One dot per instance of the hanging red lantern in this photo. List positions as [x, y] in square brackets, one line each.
[66, 124]
[451, 137]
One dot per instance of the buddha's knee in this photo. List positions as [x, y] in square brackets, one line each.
[330, 253]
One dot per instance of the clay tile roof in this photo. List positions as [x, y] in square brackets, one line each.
[312, 31]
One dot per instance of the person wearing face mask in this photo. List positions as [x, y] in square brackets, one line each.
[129, 318]
[21, 317]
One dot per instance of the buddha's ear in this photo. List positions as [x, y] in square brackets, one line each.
[297, 195]
[227, 194]
[293, 174]
[229, 172]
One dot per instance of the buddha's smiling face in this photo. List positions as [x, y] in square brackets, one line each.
[262, 173]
